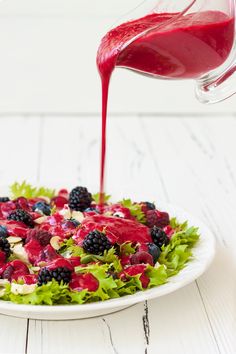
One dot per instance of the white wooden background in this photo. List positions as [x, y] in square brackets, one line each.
[47, 62]
[187, 161]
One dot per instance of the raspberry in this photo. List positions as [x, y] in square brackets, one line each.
[159, 237]
[21, 203]
[59, 201]
[22, 216]
[157, 218]
[168, 230]
[80, 199]
[14, 269]
[84, 281]
[141, 257]
[96, 242]
[42, 236]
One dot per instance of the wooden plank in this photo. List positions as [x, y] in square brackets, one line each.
[13, 335]
[102, 334]
[179, 324]
[201, 184]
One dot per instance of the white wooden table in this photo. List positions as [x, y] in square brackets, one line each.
[188, 161]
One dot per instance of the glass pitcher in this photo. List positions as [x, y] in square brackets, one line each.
[189, 40]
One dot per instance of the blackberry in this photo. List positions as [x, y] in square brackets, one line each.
[5, 246]
[42, 207]
[4, 199]
[159, 237]
[96, 242]
[23, 216]
[3, 231]
[80, 199]
[61, 274]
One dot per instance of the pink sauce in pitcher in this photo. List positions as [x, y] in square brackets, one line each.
[167, 46]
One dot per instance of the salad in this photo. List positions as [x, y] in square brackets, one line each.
[60, 248]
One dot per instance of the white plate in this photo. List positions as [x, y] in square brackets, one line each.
[203, 255]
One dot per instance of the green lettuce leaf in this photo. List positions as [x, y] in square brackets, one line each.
[173, 258]
[179, 251]
[109, 257]
[126, 248]
[157, 276]
[135, 210]
[48, 294]
[26, 190]
[70, 249]
[96, 197]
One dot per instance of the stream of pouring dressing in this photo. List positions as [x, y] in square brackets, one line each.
[186, 48]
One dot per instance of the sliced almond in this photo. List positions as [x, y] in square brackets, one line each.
[40, 220]
[35, 269]
[19, 251]
[12, 239]
[108, 213]
[78, 216]
[55, 242]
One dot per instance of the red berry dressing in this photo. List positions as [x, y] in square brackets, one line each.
[118, 230]
[166, 46]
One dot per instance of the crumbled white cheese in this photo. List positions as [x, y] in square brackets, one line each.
[2, 292]
[119, 214]
[3, 282]
[157, 265]
[22, 289]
